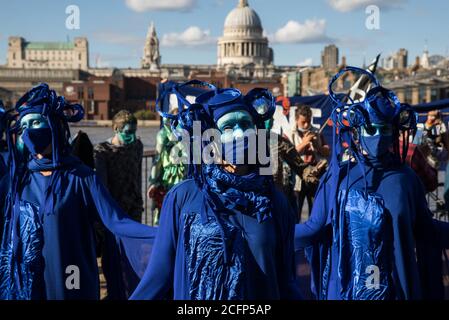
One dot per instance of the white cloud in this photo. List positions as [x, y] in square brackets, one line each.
[311, 31]
[160, 5]
[306, 63]
[351, 5]
[193, 36]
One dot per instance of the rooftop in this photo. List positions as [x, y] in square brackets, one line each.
[49, 45]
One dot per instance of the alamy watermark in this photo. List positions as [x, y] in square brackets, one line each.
[372, 282]
[255, 146]
[372, 21]
[73, 20]
[72, 282]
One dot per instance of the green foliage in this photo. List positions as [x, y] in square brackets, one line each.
[145, 115]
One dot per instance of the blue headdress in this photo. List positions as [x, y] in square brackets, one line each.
[380, 106]
[223, 192]
[58, 113]
[210, 106]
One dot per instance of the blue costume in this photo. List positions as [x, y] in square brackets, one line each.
[222, 236]
[48, 234]
[370, 213]
[3, 157]
[3, 117]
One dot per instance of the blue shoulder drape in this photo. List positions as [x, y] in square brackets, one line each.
[415, 276]
[188, 261]
[53, 243]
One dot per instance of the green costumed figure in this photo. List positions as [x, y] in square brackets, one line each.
[167, 169]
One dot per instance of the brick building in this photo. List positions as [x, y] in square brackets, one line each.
[106, 92]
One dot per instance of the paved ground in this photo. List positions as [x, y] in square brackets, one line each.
[103, 291]
[303, 277]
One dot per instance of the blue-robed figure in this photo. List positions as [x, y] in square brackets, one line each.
[3, 156]
[371, 235]
[3, 118]
[226, 233]
[52, 200]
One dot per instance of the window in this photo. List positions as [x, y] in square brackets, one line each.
[90, 93]
[422, 94]
[408, 95]
[92, 107]
[80, 92]
[433, 95]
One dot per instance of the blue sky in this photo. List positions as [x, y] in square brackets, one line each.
[299, 29]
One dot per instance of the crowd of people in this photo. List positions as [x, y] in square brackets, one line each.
[224, 230]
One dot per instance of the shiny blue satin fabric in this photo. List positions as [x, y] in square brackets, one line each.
[188, 260]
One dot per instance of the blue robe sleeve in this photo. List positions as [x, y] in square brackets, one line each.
[307, 233]
[4, 184]
[133, 238]
[113, 217]
[157, 282]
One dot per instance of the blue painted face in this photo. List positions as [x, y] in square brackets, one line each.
[128, 134]
[232, 125]
[30, 121]
[378, 130]
[377, 139]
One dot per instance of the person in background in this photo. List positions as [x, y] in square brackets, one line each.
[284, 157]
[434, 144]
[165, 172]
[433, 138]
[314, 150]
[118, 163]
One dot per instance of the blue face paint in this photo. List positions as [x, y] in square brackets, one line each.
[128, 134]
[35, 134]
[234, 124]
[377, 139]
[235, 136]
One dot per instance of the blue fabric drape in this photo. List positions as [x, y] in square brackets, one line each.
[188, 258]
[64, 236]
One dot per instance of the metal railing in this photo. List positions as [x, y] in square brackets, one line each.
[435, 199]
